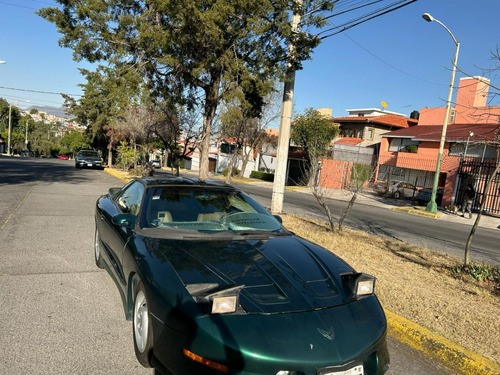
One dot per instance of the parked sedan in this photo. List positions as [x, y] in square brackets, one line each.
[424, 196]
[214, 284]
[88, 159]
[396, 189]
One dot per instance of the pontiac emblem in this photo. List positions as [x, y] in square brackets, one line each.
[330, 334]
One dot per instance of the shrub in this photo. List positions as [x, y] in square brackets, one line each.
[262, 176]
[125, 158]
[236, 172]
[480, 272]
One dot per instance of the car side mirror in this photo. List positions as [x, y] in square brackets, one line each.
[125, 220]
[278, 217]
[113, 191]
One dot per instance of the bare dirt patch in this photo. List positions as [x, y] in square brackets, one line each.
[417, 284]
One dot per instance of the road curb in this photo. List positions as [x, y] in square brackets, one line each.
[120, 175]
[416, 211]
[443, 351]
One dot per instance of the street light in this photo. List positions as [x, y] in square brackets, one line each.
[432, 206]
[471, 134]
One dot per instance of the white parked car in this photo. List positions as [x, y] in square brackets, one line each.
[155, 163]
[396, 189]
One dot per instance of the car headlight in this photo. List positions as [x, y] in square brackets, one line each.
[215, 298]
[358, 285]
[221, 305]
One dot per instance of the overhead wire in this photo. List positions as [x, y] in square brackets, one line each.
[38, 91]
[364, 18]
[389, 64]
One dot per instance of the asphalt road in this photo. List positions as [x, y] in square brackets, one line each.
[60, 313]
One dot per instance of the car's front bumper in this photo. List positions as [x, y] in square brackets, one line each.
[305, 343]
[88, 164]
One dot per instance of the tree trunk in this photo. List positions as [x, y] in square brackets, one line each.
[208, 117]
[110, 155]
[322, 202]
[480, 213]
[346, 211]
[244, 162]
[230, 167]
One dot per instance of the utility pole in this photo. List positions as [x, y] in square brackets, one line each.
[280, 173]
[10, 129]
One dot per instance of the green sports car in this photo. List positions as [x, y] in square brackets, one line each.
[214, 284]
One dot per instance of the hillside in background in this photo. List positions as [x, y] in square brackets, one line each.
[54, 111]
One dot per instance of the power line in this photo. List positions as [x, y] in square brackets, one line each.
[17, 5]
[366, 17]
[38, 92]
[389, 64]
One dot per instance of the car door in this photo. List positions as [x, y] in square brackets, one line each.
[405, 189]
[128, 201]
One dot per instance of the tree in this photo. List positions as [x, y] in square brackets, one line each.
[192, 52]
[72, 142]
[313, 132]
[106, 94]
[135, 124]
[237, 122]
[41, 139]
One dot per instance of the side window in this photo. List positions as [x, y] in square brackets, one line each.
[129, 200]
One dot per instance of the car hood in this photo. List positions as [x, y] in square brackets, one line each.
[281, 274]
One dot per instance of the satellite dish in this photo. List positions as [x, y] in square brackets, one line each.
[384, 104]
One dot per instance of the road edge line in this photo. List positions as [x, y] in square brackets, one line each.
[445, 352]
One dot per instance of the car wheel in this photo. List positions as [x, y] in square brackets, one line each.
[97, 250]
[143, 333]
[397, 194]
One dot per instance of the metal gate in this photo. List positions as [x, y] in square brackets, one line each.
[477, 173]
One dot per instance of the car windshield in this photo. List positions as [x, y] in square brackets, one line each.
[92, 154]
[203, 209]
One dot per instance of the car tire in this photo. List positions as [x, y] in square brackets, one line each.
[397, 194]
[97, 250]
[141, 324]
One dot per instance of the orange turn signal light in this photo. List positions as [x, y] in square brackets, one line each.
[206, 362]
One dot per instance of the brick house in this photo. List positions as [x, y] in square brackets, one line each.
[358, 142]
[472, 137]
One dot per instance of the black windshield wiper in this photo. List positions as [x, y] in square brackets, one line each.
[259, 233]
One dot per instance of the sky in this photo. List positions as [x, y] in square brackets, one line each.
[398, 58]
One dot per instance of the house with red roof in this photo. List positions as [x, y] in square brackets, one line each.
[358, 142]
[470, 150]
[365, 127]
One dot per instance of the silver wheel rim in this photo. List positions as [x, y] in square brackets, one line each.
[141, 321]
[96, 246]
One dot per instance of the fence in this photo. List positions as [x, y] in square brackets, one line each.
[477, 173]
